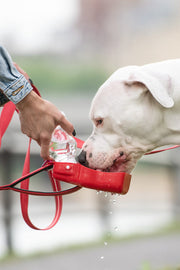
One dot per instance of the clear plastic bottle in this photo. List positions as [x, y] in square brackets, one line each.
[63, 146]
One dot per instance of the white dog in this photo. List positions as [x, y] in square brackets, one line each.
[136, 110]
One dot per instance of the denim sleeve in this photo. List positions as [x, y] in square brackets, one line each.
[13, 85]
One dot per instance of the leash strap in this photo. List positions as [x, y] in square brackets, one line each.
[5, 118]
[45, 167]
[24, 198]
[162, 150]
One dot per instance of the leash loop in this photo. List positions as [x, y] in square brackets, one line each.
[5, 118]
[24, 197]
[79, 176]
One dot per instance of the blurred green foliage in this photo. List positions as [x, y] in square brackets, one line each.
[50, 73]
[146, 266]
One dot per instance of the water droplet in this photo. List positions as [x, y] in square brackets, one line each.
[106, 194]
[97, 192]
[102, 257]
[114, 201]
[105, 243]
[116, 228]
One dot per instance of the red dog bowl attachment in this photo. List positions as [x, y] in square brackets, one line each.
[77, 174]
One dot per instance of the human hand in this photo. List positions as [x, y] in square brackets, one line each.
[39, 118]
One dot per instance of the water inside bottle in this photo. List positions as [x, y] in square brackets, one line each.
[63, 146]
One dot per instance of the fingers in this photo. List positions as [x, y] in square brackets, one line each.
[44, 143]
[39, 118]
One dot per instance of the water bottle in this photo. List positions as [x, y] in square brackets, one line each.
[63, 146]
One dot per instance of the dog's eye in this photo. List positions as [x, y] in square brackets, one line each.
[98, 122]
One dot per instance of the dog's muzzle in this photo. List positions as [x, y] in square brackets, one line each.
[82, 159]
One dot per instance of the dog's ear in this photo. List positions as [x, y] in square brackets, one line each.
[159, 84]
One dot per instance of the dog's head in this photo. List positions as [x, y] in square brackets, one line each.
[127, 117]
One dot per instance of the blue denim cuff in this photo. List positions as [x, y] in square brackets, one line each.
[18, 90]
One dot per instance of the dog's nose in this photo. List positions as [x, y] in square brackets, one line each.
[82, 158]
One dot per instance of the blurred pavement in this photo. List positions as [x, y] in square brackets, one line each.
[155, 252]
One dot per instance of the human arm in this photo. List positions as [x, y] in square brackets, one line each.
[13, 85]
[38, 117]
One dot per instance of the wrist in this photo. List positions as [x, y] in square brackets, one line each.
[18, 89]
[28, 101]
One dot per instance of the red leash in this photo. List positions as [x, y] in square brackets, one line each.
[72, 173]
[75, 174]
[5, 118]
[162, 150]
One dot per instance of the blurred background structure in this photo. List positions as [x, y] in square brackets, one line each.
[69, 48]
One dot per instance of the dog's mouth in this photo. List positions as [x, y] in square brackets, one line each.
[117, 161]
[119, 165]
